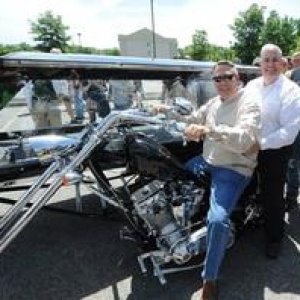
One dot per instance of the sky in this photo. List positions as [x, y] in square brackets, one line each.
[98, 22]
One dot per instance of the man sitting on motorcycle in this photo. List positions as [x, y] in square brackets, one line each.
[229, 125]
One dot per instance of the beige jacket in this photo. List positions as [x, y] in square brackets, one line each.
[235, 126]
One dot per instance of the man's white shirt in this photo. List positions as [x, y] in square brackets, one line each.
[280, 111]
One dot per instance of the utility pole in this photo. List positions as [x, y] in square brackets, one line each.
[79, 39]
[153, 31]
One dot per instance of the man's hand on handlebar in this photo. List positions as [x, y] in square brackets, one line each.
[196, 132]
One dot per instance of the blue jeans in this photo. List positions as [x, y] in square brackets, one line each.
[226, 188]
[293, 173]
[79, 104]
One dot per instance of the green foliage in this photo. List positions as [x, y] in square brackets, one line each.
[217, 53]
[7, 90]
[280, 31]
[201, 49]
[252, 30]
[200, 46]
[298, 44]
[247, 30]
[50, 32]
[110, 52]
[90, 50]
[4, 49]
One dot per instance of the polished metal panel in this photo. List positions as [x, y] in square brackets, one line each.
[47, 144]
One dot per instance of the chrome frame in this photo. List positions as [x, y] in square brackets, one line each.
[15, 219]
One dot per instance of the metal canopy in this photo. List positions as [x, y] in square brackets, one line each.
[52, 65]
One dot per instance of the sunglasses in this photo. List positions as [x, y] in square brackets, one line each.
[225, 77]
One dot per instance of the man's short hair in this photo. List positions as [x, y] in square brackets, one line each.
[227, 63]
[224, 63]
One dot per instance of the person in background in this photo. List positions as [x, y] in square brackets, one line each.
[63, 90]
[77, 94]
[292, 187]
[285, 65]
[97, 103]
[139, 93]
[294, 69]
[28, 93]
[166, 88]
[290, 64]
[45, 109]
[121, 93]
[280, 112]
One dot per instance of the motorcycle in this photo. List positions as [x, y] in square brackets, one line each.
[164, 204]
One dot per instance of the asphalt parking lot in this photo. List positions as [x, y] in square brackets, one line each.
[62, 255]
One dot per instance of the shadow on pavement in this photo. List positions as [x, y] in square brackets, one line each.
[248, 274]
[66, 256]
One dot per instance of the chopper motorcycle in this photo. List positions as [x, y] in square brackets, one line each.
[164, 204]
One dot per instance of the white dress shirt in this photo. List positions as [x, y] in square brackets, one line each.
[280, 111]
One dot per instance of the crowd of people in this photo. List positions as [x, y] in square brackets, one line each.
[96, 97]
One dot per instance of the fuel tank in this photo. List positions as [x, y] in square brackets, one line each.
[150, 158]
[30, 156]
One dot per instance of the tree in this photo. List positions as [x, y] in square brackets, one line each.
[280, 31]
[217, 53]
[297, 44]
[50, 32]
[91, 50]
[4, 49]
[247, 31]
[252, 30]
[200, 47]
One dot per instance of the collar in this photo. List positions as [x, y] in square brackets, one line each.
[274, 83]
[232, 98]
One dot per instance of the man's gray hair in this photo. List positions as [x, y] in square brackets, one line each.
[271, 47]
[227, 63]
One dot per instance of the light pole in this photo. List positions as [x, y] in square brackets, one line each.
[153, 31]
[79, 38]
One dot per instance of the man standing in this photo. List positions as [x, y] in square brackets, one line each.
[229, 124]
[280, 113]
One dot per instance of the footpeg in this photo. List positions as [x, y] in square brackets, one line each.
[127, 234]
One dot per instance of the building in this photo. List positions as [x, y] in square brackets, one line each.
[140, 43]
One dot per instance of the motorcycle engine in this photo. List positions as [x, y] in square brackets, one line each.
[167, 209]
